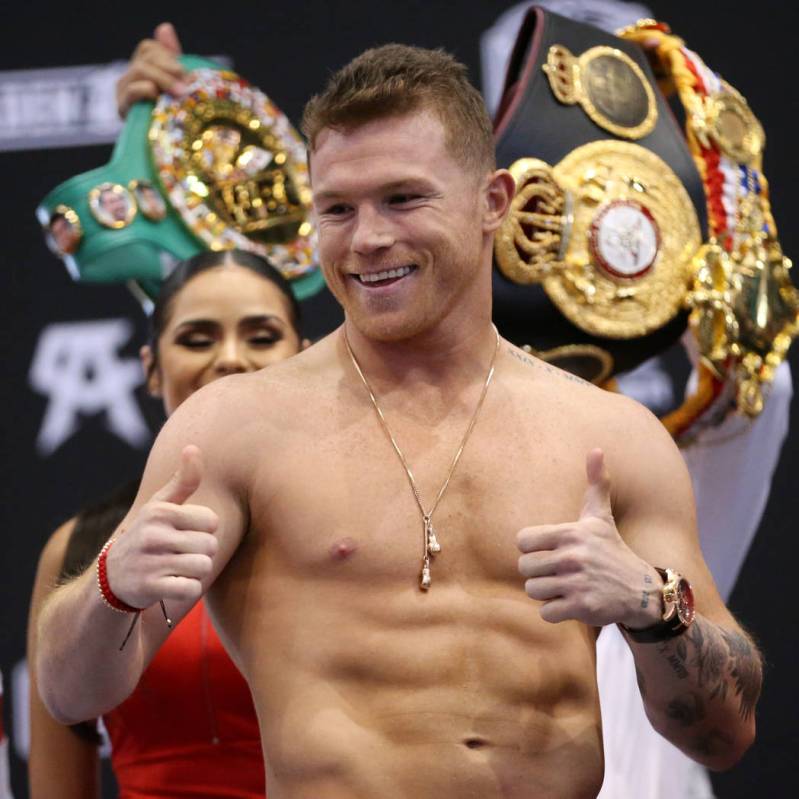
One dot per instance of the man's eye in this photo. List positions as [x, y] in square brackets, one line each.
[401, 199]
[336, 210]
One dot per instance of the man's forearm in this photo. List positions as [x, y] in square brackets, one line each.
[81, 671]
[700, 690]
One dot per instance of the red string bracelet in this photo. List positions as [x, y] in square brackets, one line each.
[112, 600]
[107, 595]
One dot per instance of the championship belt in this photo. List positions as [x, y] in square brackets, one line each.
[601, 258]
[218, 168]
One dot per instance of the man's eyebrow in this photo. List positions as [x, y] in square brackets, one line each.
[325, 195]
[419, 184]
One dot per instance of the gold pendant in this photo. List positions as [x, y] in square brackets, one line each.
[431, 542]
[424, 582]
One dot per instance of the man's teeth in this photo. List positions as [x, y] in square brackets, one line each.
[387, 275]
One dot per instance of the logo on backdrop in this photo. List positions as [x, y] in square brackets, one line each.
[61, 106]
[77, 367]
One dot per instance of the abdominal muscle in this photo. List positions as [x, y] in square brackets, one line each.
[382, 691]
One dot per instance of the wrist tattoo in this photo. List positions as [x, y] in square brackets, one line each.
[645, 593]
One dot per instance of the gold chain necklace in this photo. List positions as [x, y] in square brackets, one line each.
[431, 546]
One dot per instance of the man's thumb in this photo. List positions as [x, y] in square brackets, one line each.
[166, 35]
[186, 480]
[597, 493]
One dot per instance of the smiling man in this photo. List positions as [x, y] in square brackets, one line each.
[409, 533]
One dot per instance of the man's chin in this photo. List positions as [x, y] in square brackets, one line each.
[387, 329]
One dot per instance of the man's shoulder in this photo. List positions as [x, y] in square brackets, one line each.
[560, 391]
[266, 394]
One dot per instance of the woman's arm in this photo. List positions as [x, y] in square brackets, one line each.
[62, 765]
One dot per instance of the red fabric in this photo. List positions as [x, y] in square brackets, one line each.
[189, 729]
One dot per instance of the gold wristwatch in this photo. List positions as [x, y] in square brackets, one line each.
[678, 610]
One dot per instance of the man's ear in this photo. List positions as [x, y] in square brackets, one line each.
[500, 188]
[151, 371]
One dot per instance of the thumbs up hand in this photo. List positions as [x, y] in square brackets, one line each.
[583, 570]
[167, 549]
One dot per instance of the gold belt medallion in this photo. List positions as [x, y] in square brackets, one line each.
[610, 232]
[726, 118]
[235, 170]
[611, 88]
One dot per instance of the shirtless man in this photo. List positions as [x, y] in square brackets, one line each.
[282, 497]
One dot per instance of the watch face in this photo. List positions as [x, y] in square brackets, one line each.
[685, 602]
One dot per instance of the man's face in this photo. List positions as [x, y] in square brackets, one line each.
[115, 205]
[401, 230]
[62, 233]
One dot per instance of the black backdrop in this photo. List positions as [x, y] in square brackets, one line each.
[288, 49]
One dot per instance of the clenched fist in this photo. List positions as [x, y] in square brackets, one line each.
[583, 570]
[167, 551]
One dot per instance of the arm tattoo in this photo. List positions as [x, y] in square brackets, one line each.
[676, 658]
[537, 364]
[723, 662]
[687, 709]
[746, 669]
[710, 661]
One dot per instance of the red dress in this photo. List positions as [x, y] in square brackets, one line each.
[189, 729]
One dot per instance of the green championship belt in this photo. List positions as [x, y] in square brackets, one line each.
[218, 168]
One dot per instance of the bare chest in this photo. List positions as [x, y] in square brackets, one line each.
[343, 506]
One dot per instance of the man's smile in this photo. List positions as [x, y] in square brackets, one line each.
[384, 277]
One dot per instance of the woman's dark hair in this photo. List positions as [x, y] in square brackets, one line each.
[202, 262]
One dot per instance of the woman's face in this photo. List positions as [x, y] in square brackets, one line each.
[225, 320]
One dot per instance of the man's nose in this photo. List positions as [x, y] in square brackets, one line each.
[372, 231]
[230, 357]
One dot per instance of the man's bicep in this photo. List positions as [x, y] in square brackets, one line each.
[657, 513]
[218, 486]
[216, 490]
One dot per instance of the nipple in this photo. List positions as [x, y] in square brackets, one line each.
[475, 743]
[343, 549]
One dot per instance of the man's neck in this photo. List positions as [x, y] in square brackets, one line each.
[443, 357]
